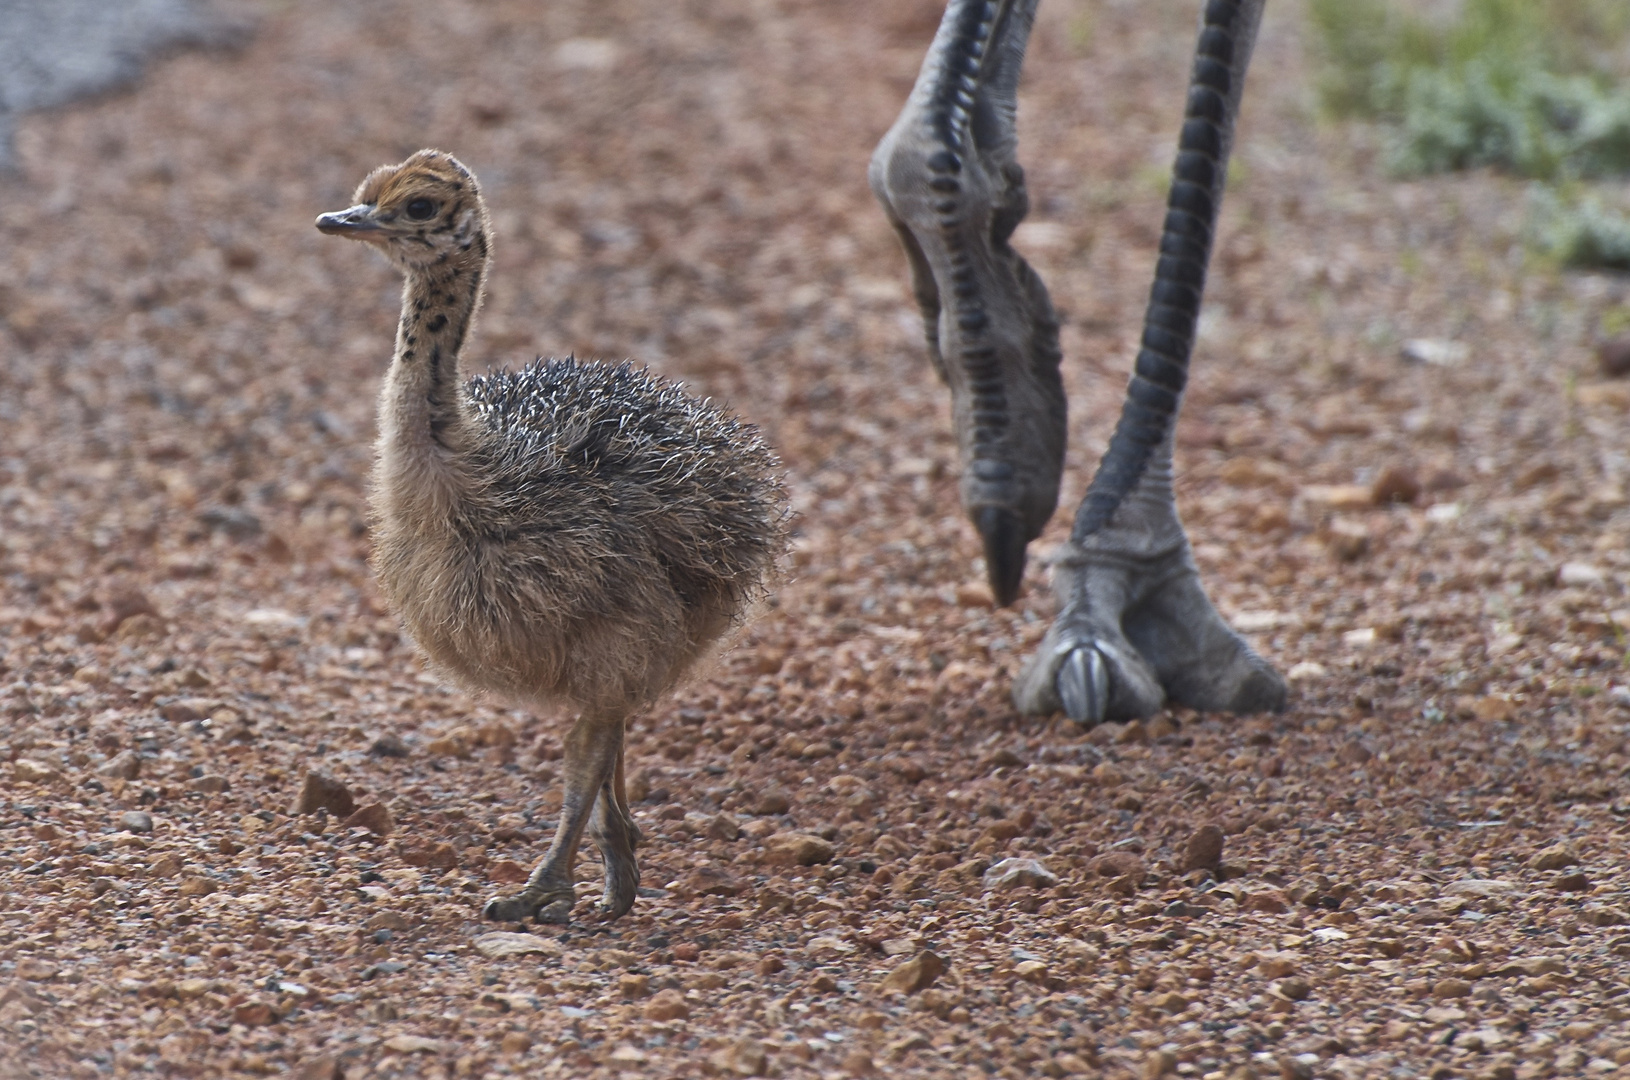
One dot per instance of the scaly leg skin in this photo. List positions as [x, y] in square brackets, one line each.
[616, 834]
[950, 185]
[592, 747]
[1136, 629]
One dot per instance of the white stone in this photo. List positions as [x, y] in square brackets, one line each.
[1249, 622]
[1580, 574]
[505, 943]
[586, 54]
[1013, 873]
[1435, 351]
[1480, 887]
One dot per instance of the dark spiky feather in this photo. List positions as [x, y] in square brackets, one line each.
[674, 475]
[605, 531]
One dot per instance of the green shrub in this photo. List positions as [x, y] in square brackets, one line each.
[1521, 85]
[1583, 232]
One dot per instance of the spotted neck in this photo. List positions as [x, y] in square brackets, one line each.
[426, 424]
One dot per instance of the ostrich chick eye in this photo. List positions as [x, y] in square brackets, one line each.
[420, 209]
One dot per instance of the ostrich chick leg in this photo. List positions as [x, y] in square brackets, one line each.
[613, 829]
[592, 749]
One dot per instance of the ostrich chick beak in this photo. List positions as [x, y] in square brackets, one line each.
[357, 222]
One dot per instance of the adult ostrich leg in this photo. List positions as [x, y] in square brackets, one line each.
[1135, 629]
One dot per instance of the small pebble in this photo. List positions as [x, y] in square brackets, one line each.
[1347, 540]
[712, 881]
[745, 1057]
[1614, 356]
[1001, 758]
[1157, 1064]
[918, 973]
[798, 849]
[322, 792]
[723, 827]
[1354, 752]
[504, 943]
[1034, 971]
[1295, 989]
[1554, 857]
[197, 886]
[1268, 901]
[136, 821]
[1116, 864]
[1019, 873]
[325, 1067]
[28, 771]
[1396, 484]
[253, 1014]
[1451, 988]
[858, 1063]
[125, 765]
[667, 1005]
[389, 745]
[374, 817]
[1204, 849]
[772, 801]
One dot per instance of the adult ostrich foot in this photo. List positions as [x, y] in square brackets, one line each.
[549, 902]
[1138, 633]
[1135, 629]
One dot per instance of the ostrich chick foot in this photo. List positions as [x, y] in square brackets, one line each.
[617, 837]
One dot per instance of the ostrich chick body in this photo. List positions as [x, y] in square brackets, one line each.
[571, 533]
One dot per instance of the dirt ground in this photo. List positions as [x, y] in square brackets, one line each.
[1423, 859]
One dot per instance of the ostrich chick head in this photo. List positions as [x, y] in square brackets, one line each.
[423, 213]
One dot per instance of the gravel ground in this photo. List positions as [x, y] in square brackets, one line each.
[54, 51]
[1402, 466]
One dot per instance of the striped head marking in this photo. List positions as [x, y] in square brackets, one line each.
[425, 212]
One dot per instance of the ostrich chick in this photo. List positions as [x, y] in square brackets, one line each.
[571, 533]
